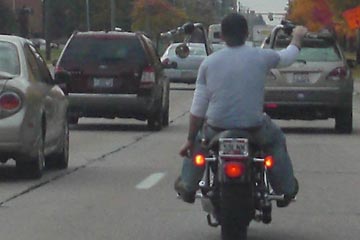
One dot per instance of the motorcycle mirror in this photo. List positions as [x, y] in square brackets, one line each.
[182, 51]
[189, 28]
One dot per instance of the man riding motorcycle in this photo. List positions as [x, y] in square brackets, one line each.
[229, 94]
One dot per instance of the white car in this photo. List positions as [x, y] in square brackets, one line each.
[187, 68]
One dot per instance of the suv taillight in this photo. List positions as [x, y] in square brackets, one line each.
[58, 69]
[337, 74]
[10, 101]
[148, 77]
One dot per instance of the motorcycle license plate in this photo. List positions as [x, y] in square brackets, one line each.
[237, 147]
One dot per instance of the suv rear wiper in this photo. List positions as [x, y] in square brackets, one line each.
[112, 59]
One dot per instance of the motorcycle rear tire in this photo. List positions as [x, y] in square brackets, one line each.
[235, 211]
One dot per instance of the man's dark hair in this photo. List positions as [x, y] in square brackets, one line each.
[234, 29]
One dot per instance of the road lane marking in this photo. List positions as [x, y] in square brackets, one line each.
[150, 181]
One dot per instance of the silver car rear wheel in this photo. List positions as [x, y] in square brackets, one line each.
[35, 167]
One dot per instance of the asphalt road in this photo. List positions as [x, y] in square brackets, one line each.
[119, 185]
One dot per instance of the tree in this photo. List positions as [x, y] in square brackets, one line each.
[155, 16]
[312, 14]
[7, 20]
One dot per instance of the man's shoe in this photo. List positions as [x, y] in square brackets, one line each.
[184, 194]
[288, 198]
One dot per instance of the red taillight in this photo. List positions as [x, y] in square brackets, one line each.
[271, 105]
[148, 77]
[269, 161]
[9, 101]
[199, 160]
[234, 169]
[58, 69]
[337, 74]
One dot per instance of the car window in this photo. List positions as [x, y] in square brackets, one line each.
[33, 68]
[44, 70]
[9, 58]
[37, 64]
[315, 50]
[194, 50]
[103, 50]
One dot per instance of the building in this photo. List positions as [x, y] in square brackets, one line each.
[35, 13]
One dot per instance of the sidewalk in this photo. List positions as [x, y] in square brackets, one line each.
[356, 86]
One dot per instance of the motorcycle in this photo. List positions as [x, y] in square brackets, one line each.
[235, 187]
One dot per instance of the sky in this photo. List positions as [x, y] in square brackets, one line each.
[265, 6]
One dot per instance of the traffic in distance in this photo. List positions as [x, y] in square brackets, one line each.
[111, 75]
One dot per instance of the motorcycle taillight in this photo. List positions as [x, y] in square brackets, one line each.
[234, 169]
[199, 160]
[269, 161]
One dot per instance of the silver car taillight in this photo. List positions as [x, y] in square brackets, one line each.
[10, 102]
[337, 74]
[147, 78]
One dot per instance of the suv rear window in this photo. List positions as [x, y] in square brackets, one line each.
[113, 50]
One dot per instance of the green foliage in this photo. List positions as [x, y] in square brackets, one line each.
[155, 16]
[67, 16]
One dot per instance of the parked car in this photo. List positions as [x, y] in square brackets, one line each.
[41, 43]
[319, 85]
[33, 108]
[115, 74]
[187, 68]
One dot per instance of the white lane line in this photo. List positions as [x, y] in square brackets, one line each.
[150, 181]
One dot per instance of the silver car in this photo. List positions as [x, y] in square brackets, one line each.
[319, 85]
[33, 108]
[187, 68]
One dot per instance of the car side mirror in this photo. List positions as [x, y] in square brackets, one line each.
[182, 51]
[62, 77]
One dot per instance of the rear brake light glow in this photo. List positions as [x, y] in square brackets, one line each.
[337, 74]
[271, 105]
[199, 160]
[58, 69]
[269, 161]
[10, 101]
[234, 169]
[148, 77]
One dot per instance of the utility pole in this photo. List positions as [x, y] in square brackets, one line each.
[112, 13]
[87, 15]
[46, 29]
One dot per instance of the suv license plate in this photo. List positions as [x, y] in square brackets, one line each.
[103, 82]
[234, 147]
[301, 78]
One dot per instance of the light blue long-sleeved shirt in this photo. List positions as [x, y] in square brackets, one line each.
[229, 89]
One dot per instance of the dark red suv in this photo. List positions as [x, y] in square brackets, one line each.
[115, 74]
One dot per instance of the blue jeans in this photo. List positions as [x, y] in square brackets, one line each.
[272, 140]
